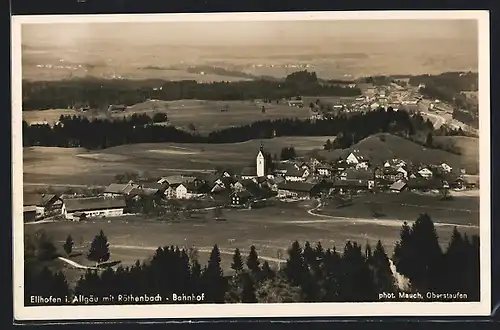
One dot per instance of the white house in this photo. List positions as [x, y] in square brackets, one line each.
[425, 173]
[403, 171]
[186, 191]
[362, 166]
[445, 167]
[355, 158]
[324, 170]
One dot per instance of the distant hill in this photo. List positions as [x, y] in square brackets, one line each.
[383, 146]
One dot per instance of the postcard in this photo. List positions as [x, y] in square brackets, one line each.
[307, 164]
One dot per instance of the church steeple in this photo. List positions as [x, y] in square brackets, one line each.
[261, 161]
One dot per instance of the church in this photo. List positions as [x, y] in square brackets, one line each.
[260, 168]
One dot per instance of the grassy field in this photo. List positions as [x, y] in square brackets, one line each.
[383, 146]
[460, 210]
[79, 166]
[206, 116]
[270, 229]
[468, 146]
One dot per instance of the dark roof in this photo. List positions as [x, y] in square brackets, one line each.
[296, 186]
[421, 183]
[242, 194]
[295, 172]
[351, 183]
[153, 185]
[359, 174]
[119, 188]
[93, 203]
[47, 199]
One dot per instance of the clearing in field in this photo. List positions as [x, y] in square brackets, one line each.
[271, 230]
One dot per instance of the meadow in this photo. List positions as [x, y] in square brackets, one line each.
[271, 230]
[206, 116]
[79, 166]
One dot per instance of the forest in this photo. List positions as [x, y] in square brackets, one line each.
[310, 273]
[104, 133]
[100, 93]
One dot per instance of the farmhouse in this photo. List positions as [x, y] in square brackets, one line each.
[80, 208]
[353, 185]
[297, 189]
[325, 170]
[355, 157]
[296, 174]
[240, 197]
[422, 184]
[187, 190]
[36, 206]
[119, 189]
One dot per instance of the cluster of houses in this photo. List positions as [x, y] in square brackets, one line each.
[294, 179]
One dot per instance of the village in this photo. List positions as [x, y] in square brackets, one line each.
[288, 180]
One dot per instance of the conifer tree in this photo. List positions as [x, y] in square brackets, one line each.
[99, 249]
[253, 261]
[295, 266]
[384, 279]
[266, 272]
[68, 245]
[237, 264]
[248, 289]
[213, 277]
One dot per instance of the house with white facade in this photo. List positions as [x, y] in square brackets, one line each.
[446, 168]
[425, 173]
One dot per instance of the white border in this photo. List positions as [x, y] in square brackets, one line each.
[481, 308]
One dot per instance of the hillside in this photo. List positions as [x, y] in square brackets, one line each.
[382, 146]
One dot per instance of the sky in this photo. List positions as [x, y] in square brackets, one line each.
[283, 33]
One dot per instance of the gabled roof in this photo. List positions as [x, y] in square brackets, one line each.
[296, 186]
[172, 179]
[47, 199]
[93, 203]
[295, 172]
[421, 183]
[153, 186]
[398, 185]
[359, 174]
[119, 188]
[351, 183]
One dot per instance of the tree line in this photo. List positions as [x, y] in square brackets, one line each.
[100, 93]
[309, 274]
[76, 131]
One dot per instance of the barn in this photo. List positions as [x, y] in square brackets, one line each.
[80, 208]
[297, 189]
